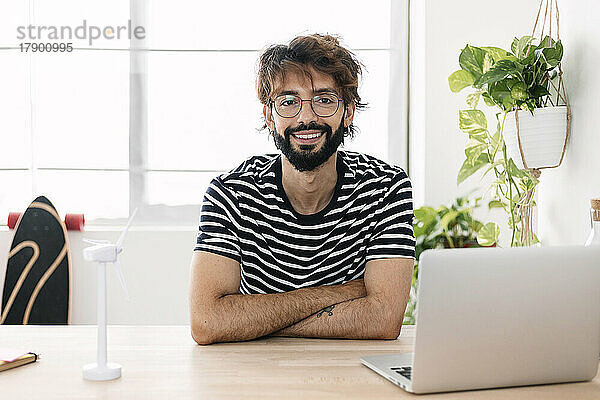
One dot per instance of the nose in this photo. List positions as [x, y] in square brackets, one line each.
[306, 114]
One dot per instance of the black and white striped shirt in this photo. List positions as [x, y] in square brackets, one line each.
[247, 216]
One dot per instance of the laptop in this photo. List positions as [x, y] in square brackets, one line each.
[491, 317]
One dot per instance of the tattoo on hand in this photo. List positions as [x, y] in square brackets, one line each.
[328, 310]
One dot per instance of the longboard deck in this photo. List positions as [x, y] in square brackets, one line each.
[37, 283]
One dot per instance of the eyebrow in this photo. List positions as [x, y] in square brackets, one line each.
[316, 91]
[326, 90]
[295, 92]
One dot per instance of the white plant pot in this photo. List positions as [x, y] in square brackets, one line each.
[542, 136]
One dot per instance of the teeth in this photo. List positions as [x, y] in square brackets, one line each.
[314, 135]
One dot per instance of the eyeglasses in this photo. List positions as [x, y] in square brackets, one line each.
[289, 105]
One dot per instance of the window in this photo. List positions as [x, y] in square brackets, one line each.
[64, 125]
[103, 130]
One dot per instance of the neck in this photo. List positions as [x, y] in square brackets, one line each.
[310, 191]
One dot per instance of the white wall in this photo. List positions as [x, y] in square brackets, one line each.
[439, 31]
[565, 191]
[156, 267]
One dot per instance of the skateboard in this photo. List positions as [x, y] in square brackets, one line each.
[37, 285]
[73, 222]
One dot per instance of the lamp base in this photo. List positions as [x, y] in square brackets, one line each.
[95, 372]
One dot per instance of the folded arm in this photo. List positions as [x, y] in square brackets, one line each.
[219, 314]
[378, 315]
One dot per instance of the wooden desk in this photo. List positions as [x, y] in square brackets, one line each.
[164, 362]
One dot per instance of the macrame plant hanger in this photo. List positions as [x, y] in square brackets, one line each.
[561, 95]
[526, 206]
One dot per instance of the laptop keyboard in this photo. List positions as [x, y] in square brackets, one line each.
[404, 371]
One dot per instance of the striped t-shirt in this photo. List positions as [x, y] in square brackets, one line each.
[247, 216]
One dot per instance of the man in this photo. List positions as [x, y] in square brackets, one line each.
[313, 242]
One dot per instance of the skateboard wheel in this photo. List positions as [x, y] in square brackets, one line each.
[74, 222]
[13, 218]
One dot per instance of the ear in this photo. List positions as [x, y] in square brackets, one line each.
[349, 114]
[268, 117]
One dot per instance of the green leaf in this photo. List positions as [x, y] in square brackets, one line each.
[425, 214]
[532, 56]
[559, 49]
[514, 45]
[546, 42]
[499, 91]
[497, 141]
[448, 218]
[472, 59]
[459, 80]
[496, 204]
[498, 54]
[488, 99]
[473, 149]
[552, 57]
[520, 67]
[521, 46]
[480, 137]
[529, 105]
[472, 121]
[539, 91]
[502, 69]
[514, 170]
[474, 224]
[469, 168]
[488, 235]
[473, 99]
[519, 91]
[488, 62]
[509, 103]
[420, 231]
[424, 222]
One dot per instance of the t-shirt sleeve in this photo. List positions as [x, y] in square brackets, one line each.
[219, 222]
[393, 232]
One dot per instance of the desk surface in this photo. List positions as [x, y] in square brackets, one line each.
[164, 362]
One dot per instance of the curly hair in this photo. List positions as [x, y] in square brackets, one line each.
[321, 52]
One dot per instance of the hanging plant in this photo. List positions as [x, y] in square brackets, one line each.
[527, 78]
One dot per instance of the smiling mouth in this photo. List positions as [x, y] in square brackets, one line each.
[308, 137]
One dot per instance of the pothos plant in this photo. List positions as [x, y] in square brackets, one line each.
[444, 227]
[507, 81]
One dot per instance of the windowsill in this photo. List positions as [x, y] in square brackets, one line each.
[148, 228]
[118, 228]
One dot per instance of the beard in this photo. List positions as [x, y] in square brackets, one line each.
[306, 159]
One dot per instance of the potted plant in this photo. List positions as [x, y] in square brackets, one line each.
[443, 227]
[521, 85]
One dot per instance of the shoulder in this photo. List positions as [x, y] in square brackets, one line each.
[251, 171]
[365, 167]
[254, 165]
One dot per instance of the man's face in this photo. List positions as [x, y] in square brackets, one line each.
[310, 153]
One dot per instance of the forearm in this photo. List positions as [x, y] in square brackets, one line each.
[239, 317]
[363, 318]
